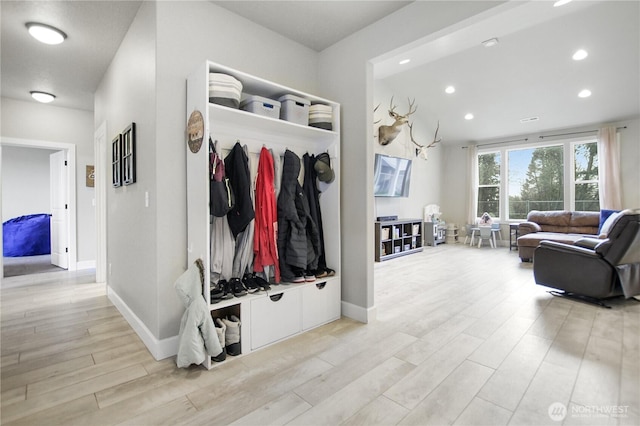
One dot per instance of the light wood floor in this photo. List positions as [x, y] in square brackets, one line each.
[463, 336]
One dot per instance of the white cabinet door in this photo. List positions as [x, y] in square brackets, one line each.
[275, 317]
[320, 303]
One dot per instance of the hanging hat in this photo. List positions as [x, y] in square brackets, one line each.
[323, 168]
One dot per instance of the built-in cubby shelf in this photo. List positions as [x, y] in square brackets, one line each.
[287, 309]
[397, 238]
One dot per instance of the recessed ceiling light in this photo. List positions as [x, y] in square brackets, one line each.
[584, 93]
[404, 61]
[43, 97]
[491, 42]
[45, 33]
[468, 116]
[450, 89]
[580, 55]
[561, 3]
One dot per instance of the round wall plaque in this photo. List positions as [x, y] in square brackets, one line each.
[195, 131]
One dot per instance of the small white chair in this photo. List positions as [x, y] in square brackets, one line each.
[495, 229]
[470, 234]
[486, 233]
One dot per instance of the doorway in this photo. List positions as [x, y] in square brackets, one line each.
[61, 161]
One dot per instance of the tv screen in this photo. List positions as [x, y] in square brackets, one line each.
[391, 176]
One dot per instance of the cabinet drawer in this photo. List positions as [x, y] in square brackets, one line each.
[275, 317]
[320, 303]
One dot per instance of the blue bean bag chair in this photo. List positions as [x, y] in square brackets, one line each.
[28, 235]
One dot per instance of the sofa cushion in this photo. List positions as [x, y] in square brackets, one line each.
[604, 215]
[550, 221]
[533, 239]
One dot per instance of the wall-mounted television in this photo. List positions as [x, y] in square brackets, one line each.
[392, 176]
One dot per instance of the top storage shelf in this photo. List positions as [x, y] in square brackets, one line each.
[252, 85]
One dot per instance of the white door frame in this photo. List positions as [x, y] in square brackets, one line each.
[100, 183]
[71, 189]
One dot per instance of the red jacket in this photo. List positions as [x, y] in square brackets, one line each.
[266, 226]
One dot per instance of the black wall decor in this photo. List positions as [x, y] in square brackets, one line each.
[123, 157]
[116, 164]
[129, 154]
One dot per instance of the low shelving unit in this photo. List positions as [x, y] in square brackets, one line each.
[397, 238]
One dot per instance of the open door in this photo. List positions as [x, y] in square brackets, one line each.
[59, 177]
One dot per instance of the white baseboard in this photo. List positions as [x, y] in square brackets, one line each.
[160, 349]
[358, 313]
[85, 264]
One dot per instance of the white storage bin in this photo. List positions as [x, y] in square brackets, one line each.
[261, 106]
[294, 109]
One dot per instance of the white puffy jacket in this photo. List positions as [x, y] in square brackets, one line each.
[198, 338]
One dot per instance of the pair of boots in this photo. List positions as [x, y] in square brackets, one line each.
[228, 330]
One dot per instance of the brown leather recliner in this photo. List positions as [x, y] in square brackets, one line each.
[594, 268]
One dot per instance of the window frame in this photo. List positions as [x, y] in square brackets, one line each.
[569, 178]
[499, 185]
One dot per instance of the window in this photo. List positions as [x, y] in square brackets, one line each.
[585, 169]
[536, 180]
[489, 184]
[558, 176]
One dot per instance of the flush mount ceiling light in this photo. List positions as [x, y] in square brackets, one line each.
[580, 55]
[491, 42]
[450, 89]
[43, 97]
[468, 116]
[561, 3]
[45, 33]
[404, 61]
[584, 93]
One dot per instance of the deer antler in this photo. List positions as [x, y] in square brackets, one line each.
[411, 135]
[435, 140]
[411, 108]
[392, 107]
[374, 111]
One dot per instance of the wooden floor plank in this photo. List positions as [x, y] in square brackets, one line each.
[446, 319]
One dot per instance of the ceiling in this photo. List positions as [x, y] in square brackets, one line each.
[528, 74]
[95, 29]
[315, 24]
[71, 70]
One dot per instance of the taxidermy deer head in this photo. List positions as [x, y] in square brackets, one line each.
[421, 151]
[386, 134]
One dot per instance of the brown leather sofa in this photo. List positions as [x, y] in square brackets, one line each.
[594, 268]
[559, 226]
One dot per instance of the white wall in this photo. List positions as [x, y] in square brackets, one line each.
[455, 171]
[146, 83]
[346, 76]
[25, 181]
[424, 186]
[215, 34]
[126, 94]
[35, 121]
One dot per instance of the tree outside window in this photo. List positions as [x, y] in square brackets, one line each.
[489, 184]
[539, 186]
[534, 179]
[587, 197]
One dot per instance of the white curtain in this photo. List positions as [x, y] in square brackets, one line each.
[609, 169]
[472, 195]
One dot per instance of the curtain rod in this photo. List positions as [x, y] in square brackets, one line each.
[577, 133]
[541, 137]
